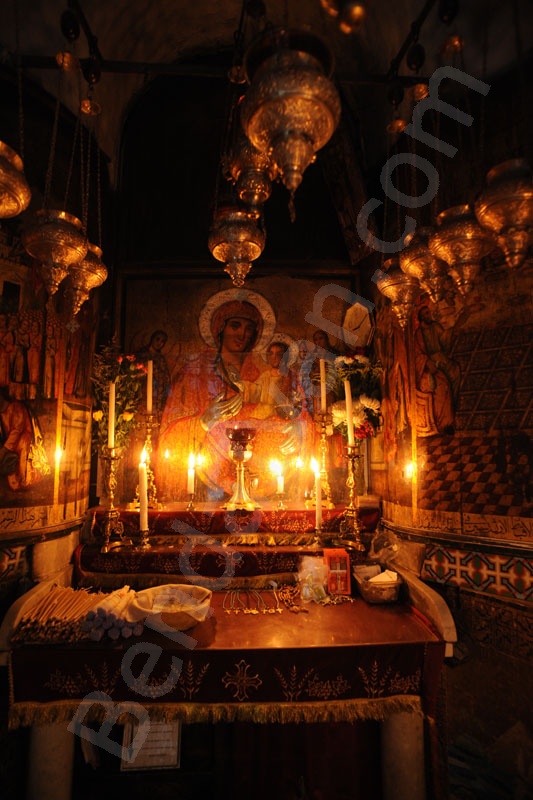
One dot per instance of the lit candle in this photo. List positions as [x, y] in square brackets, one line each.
[149, 386]
[349, 412]
[322, 385]
[276, 468]
[318, 494]
[190, 474]
[111, 418]
[143, 494]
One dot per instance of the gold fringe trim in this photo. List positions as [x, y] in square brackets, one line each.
[25, 714]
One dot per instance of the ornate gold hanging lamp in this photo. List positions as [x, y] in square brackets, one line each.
[417, 260]
[251, 171]
[505, 206]
[15, 194]
[401, 289]
[236, 239]
[55, 238]
[291, 108]
[462, 243]
[350, 14]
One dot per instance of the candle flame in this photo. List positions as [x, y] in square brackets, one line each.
[410, 469]
[314, 466]
[59, 455]
[275, 467]
[144, 456]
[167, 453]
[299, 463]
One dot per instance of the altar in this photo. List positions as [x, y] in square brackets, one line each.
[253, 661]
[335, 664]
[208, 543]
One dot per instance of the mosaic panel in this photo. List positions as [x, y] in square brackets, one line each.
[13, 563]
[490, 574]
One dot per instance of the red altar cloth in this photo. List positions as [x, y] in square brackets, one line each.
[334, 663]
[174, 519]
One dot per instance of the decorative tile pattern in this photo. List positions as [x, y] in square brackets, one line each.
[506, 577]
[13, 563]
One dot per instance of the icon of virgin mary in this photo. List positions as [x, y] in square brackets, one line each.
[220, 387]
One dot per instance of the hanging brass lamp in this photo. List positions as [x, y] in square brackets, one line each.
[292, 108]
[236, 239]
[56, 240]
[15, 194]
[461, 242]
[85, 276]
[505, 206]
[417, 260]
[401, 289]
[251, 171]
[350, 14]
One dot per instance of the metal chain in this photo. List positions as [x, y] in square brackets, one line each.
[51, 157]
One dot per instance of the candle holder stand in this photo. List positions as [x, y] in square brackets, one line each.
[150, 425]
[190, 505]
[281, 505]
[144, 541]
[350, 527]
[324, 421]
[113, 526]
[241, 451]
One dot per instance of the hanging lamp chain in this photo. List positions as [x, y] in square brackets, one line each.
[51, 157]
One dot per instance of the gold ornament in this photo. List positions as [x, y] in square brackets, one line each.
[88, 274]
[505, 206]
[57, 241]
[236, 239]
[291, 108]
[399, 288]
[461, 242]
[417, 260]
[15, 194]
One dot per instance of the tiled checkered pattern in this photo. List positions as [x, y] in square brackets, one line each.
[476, 474]
[487, 573]
[486, 466]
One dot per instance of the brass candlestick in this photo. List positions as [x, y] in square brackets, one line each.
[150, 425]
[113, 527]
[190, 505]
[324, 421]
[350, 527]
[241, 451]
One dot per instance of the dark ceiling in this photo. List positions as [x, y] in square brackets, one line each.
[164, 88]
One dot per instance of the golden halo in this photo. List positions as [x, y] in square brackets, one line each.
[227, 296]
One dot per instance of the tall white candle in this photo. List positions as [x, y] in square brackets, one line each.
[323, 385]
[349, 412]
[149, 386]
[143, 497]
[111, 417]
[277, 470]
[190, 474]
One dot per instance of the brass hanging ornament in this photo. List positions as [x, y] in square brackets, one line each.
[15, 194]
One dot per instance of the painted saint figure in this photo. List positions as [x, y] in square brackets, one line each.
[437, 373]
[219, 388]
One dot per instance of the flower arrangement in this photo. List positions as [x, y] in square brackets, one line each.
[127, 373]
[365, 382]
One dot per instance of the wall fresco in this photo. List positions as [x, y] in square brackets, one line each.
[45, 399]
